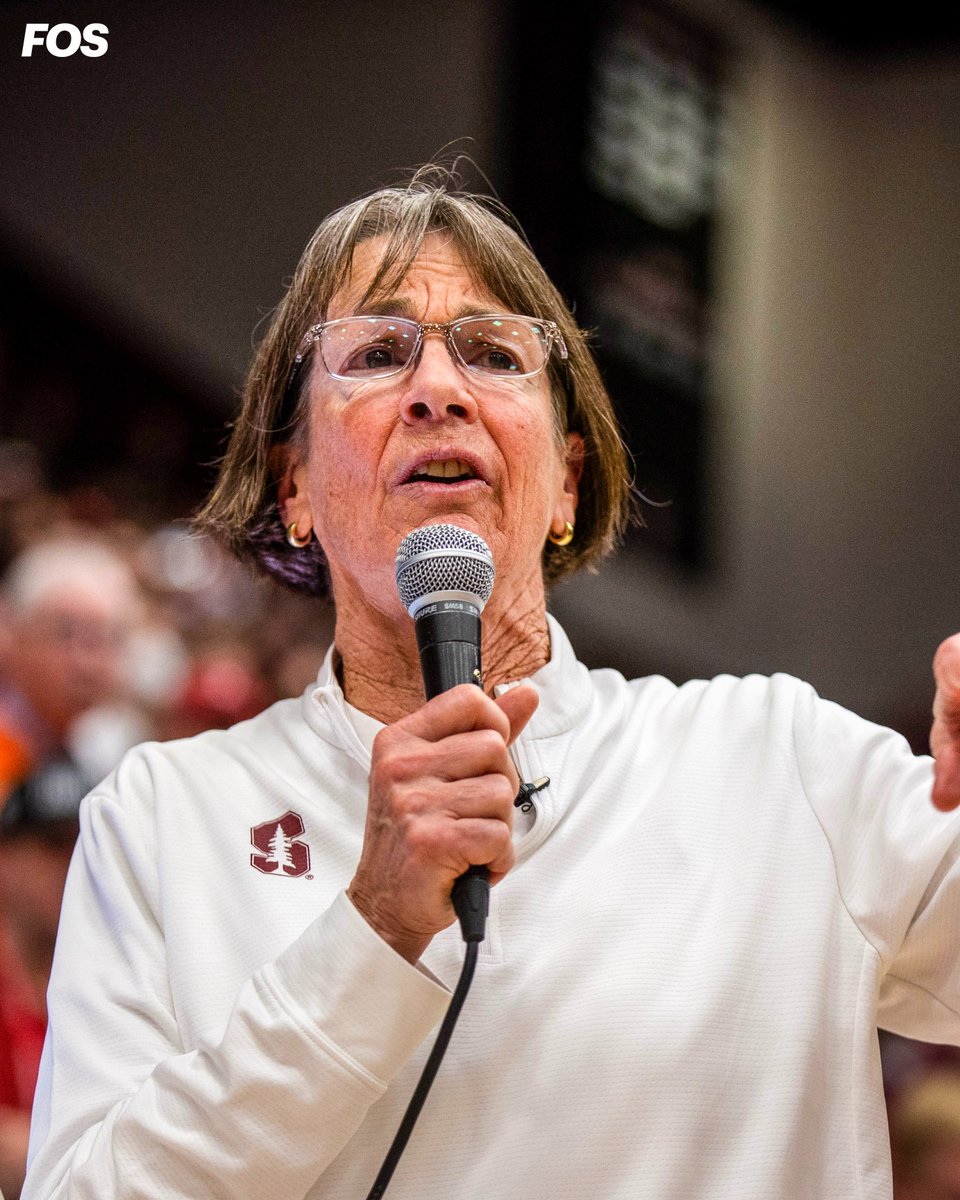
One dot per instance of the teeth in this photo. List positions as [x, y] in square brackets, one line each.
[448, 468]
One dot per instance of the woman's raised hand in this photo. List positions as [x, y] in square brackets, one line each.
[442, 787]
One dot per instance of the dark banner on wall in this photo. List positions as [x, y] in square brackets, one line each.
[618, 179]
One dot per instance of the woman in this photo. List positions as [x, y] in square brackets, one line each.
[699, 919]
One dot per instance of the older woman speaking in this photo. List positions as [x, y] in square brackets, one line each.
[709, 898]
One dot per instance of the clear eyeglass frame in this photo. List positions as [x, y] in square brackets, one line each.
[549, 331]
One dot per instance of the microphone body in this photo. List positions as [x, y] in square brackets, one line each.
[445, 577]
[448, 638]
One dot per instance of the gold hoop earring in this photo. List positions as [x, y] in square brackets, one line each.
[562, 539]
[298, 543]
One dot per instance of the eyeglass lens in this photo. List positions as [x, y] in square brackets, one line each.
[372, 347]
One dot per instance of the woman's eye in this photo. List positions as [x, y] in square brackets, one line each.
[378, 357]
[373, 358]
[494, 358]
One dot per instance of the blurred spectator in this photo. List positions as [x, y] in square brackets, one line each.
[68, 607]
[21, 480]
[298, 664]
[224, 685]
[925, 1138]
[38, 827]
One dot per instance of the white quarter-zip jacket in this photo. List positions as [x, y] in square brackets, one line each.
[722, 892]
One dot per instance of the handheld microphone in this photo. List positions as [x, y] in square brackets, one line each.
[445, 576]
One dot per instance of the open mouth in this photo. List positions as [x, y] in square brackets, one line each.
[446, 470]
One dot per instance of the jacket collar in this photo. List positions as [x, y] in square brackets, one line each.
[563, 683]
[564, 687]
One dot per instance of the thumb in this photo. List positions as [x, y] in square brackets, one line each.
[946, 777]
[518, 704]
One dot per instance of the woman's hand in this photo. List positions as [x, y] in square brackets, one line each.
[442, 787]
[945, 736]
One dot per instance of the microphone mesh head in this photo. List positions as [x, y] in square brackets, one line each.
[443, 558]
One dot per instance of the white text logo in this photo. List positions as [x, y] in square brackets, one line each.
[63, 40]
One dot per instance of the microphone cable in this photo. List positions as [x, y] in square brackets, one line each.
[471, 899]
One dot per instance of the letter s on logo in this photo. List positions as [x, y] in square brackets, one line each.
[280, 850]
[94, 45]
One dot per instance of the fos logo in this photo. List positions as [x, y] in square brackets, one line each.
[63, 40]
[280, 853]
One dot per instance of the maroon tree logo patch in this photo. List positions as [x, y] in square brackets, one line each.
[279, 852]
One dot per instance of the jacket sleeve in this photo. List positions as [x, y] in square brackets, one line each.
[897, 860]
[123, 1111]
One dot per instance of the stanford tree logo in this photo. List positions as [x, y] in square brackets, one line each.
[279, 852]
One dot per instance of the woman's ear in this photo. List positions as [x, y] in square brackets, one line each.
[573, 469]
[565, 505]
[289, 472]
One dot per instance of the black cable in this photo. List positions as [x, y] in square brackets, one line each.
[471, 899]
[429, 1072]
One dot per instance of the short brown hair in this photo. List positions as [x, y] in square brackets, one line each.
[242, 509]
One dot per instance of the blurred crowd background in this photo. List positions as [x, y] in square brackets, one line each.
[112, 632]
[754, 206]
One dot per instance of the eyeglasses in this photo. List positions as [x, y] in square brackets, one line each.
[496, 346]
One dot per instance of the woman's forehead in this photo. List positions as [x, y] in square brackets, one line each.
[438, 270]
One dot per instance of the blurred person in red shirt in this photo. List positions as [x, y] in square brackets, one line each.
[66, 609]
[222, 686]
[38, 828]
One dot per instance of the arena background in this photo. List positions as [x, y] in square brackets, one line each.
[800, 466]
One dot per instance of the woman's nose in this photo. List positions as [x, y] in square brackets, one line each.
[437, 388]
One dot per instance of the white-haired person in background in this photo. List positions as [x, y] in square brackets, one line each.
[67, 607]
